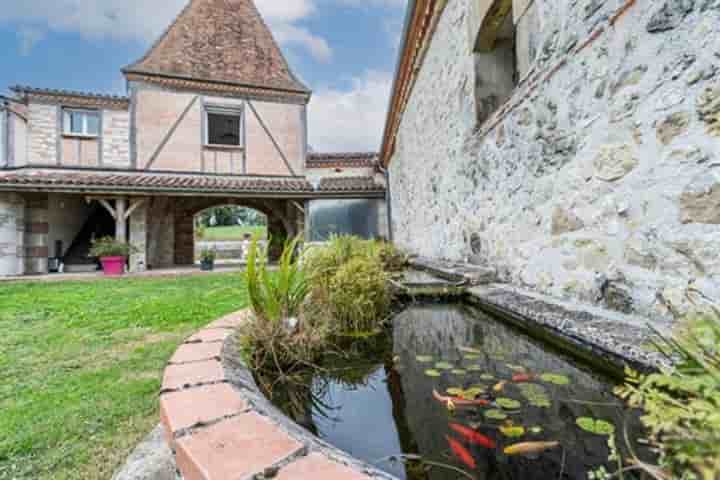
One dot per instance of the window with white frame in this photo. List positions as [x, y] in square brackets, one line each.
[81, 122]
[224, 127]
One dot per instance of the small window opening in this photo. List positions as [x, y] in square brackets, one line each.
[81, 122]
[225, 129]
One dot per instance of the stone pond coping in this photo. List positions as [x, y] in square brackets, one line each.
[221, 427]
[608, 340]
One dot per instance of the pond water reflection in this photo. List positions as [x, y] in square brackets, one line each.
[381, 403]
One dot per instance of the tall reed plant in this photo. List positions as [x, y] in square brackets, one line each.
[276, 296]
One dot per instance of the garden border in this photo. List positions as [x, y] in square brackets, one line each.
[220, 426]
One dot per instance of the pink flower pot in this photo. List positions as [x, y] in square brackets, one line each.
[113, 266]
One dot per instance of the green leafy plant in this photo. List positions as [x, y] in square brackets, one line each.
[208, 255]
[109, 247]
[682, 404]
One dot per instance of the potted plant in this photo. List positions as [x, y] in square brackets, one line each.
[112, 254]
[207, 259]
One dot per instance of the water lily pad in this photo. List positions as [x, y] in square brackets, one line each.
[432, 373]
[508, 403]
[486, 376]
[515, 368]
[473, 392]
[424, 358]
[458, 371]
[535, 394]
[473, 368]
[470, 350]
[536, 430]
[495, 414]
[512, 431]
[455, 391]
[596, 426]
[471, 356]
[443, 366]
[555, 378]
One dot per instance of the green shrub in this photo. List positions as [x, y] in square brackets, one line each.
[358, 295]
[682, 404]
[200, 232]
[109, 247]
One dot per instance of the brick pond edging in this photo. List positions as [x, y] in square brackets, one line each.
[221, 427]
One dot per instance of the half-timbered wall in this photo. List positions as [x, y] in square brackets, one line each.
[169, 130]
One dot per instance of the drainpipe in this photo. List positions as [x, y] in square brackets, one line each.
[388, 201]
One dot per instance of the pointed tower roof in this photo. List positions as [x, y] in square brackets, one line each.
[219, 41]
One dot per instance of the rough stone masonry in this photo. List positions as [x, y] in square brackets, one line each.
[600, 179]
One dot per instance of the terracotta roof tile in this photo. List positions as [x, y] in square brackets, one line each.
[223, 41]
[159, 182]
[337, 160]
[167, 183]
[349, 184]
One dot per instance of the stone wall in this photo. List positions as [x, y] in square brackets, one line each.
[12, 233]
[35, 242]
[599, 180]
[116, 138]
[43, 131]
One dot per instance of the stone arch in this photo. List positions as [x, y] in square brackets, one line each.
[284, 221]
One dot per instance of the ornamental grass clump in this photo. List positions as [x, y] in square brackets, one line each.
[350, 282]
[358, 295]
[682, 404]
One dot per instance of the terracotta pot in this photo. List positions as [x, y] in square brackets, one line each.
[113, 266]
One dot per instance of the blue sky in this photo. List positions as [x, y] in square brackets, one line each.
[345, 50]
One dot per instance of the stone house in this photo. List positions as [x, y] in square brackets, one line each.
[213, 116]
[573, 146]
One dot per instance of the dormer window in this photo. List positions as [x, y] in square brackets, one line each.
[85, 123]
[224, 127]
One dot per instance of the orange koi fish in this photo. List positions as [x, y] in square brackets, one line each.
[472, 436]
[523, 377]
[461, 452]
[459, 402]
[529, 447]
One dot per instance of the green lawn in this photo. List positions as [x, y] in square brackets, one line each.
[81, 366]
[232, 233]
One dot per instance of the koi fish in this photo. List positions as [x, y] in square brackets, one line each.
[523, 377]
[529, 447]
[461, 452]
[459, 402]
[500, 386]
[472, 436]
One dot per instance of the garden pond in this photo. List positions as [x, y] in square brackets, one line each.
[454, 393]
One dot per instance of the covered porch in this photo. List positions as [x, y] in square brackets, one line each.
[48, 218]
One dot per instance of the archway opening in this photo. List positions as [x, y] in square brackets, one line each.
[227, 230]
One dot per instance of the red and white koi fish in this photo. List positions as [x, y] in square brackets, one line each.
[529, 447]
[459, 402]
[472, 436]
[461, 452]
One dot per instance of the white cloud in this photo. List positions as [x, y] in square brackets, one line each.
[144, 20]
[353, 119]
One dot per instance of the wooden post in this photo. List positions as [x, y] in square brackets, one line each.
[120, 220]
